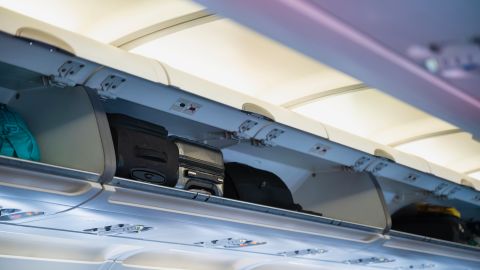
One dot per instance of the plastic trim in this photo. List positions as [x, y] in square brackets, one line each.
[48, 169]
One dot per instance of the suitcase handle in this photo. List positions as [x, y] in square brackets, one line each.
[151, 154]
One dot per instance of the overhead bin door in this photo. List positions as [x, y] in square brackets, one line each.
[22, 249]
[63, 123]
[193, 221]
[34, 191]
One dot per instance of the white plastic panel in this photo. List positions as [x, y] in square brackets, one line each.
[341, 36]
[458, 152]
[104, 21]
[475, 179]
[237, 58]
[221, 94]
[373, 115]
[411, 161]
[353, 141]
[14, 24]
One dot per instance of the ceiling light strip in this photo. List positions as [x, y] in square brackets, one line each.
[142, 36]
[426, 136]
[302, 101]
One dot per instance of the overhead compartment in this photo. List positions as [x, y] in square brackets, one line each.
[170, 213]
[21, 250]
[197, 224]
[328, 171]
[64, 125]
[354, 197]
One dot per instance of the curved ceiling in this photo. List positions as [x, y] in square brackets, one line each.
[185, 36]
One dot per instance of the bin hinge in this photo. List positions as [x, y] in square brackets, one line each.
[241, 133]
[65, 75]
[378, 165]
[361, 164]
[271, 136]
[109, 86]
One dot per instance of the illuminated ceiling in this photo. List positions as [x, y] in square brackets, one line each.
[185, 36]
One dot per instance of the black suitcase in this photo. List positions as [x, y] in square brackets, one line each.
[431, 221]
[249, 184]
[143, 151]
[201, 167]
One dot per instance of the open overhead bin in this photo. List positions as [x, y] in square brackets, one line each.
[71, 160]
[304, 81]
[347, 184]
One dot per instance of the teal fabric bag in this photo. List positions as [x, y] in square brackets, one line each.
[15, 138]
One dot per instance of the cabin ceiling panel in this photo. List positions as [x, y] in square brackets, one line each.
[105, 21]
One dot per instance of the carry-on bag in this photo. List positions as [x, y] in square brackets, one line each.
[16, 140]
[201, 167]
[249, 184]
[143, 151]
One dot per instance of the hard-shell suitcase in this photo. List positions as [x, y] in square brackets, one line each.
[143, 151]
[250, 184]
[201, 167]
